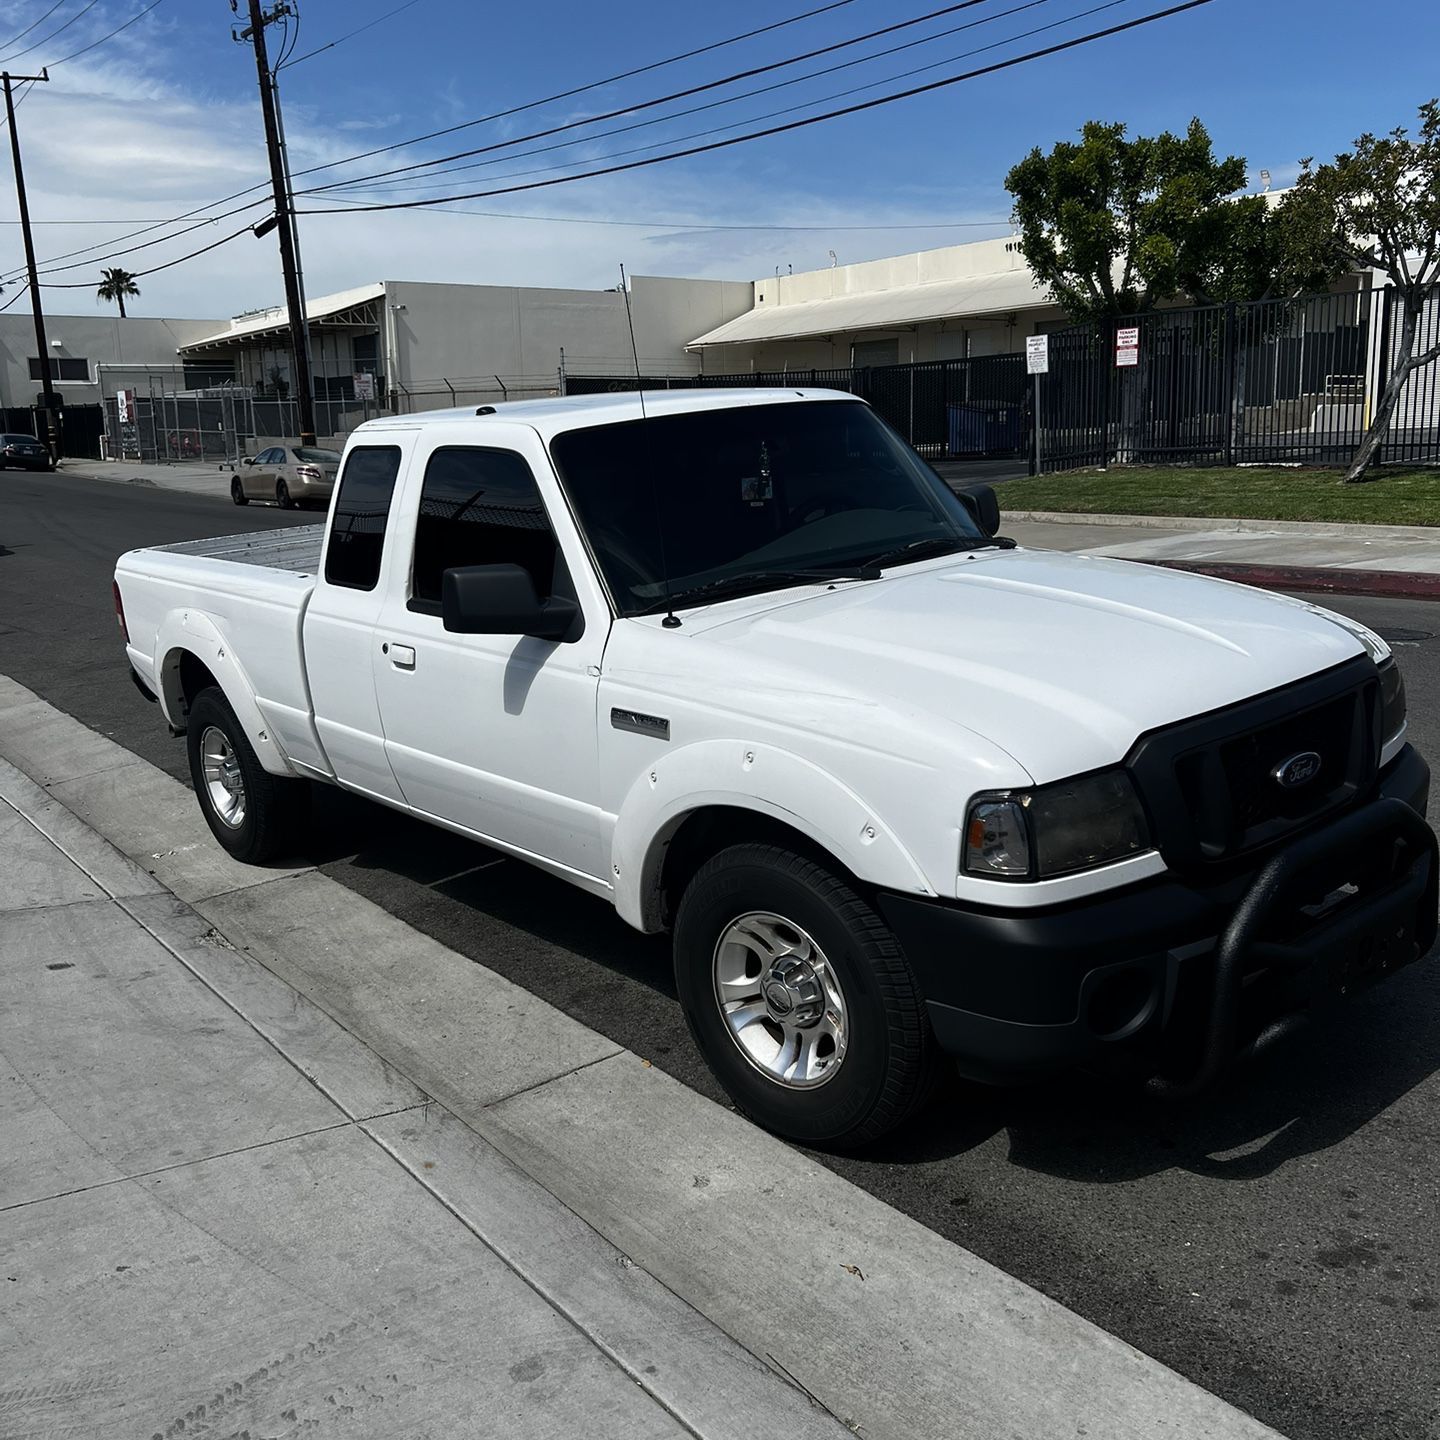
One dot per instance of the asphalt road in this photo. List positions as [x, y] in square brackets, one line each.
[1276, 1241]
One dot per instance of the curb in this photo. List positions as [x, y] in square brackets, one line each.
[1319, 530]
[1378, 584]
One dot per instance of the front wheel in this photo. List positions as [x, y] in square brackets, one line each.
[237, 492]
[255, 815]
[800, 998]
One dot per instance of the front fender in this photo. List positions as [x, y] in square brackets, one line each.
[190, 630]
[762, 778]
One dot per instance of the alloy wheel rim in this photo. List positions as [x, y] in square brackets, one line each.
[781, 1000]
[224, 782]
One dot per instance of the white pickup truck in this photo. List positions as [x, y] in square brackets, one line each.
[742, 664]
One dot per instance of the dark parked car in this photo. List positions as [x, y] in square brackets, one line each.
[24, 451]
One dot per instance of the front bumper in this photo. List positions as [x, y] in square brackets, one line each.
[1180, 973]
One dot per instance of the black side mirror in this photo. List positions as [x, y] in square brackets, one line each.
[501, 600]
[247, 460]
[984, 508]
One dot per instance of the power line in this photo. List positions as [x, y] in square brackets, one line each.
[790, 125]
[684, 94]
[154, 269]
[583, 89]
[95, 44]
[84, 10]
[32, 25]
[784, 110]
[348, 35]
[400, 144]
[368, 182]
[147, 244]
[759, 226]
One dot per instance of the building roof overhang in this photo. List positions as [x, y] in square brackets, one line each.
[967, 297]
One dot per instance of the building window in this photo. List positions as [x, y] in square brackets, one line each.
[62, 367]
[874, 352]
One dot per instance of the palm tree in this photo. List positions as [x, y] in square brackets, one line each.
[115, 285]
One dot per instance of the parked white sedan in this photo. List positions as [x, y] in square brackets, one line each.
[289, 475]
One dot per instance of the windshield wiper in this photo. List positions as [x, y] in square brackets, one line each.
[749, 582]
[926, 549]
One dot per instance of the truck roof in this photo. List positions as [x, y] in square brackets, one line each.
[572, 412]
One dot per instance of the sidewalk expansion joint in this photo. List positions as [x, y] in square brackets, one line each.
[180, 1165]
[551, 1079]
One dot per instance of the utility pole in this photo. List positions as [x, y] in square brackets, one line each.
[52, 427]
[283, 218]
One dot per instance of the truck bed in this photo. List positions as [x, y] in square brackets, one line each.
[296, 551]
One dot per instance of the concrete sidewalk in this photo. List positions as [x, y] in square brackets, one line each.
[221, 1211]
[274, 1153]
[190, 476]
[1393, 560]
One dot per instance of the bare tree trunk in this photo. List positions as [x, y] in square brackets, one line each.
[1358, 472]
[121, 299]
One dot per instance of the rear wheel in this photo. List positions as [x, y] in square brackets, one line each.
[800, 998]
[237, 492]
[255, 815]
[282, 496]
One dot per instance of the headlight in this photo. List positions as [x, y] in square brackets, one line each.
[1392, 701]
[1055, 829]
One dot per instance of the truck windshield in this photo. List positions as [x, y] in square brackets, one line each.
[749, 498]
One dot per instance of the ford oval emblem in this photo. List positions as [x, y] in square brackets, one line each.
[1298, 770]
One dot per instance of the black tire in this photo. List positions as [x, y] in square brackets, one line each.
[275, 808]
[237, 492]
[282, 496]
[889, 1063]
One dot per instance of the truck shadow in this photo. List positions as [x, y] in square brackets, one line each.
[1308, 1095]
[574, 952]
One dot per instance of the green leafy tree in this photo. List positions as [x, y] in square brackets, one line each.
[115, 285]
[1114, 225]
[1378, 207]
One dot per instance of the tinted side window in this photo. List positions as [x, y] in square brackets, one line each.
[357, 533]
[480, 507]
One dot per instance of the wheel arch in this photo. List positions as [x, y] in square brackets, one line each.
[194, 655]
[669, 826]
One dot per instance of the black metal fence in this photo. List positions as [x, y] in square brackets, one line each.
[81, 427]
[1274, 381]
[946, 409]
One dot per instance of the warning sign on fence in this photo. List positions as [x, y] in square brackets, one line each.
[1127, 345]
[1037, 354]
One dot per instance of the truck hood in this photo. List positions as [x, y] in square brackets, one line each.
[1062, 661]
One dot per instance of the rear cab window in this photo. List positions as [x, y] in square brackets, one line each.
[361, 515]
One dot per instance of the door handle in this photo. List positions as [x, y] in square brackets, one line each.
[402, 657]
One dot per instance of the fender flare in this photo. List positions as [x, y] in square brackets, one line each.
[193, 631]
[737, 774]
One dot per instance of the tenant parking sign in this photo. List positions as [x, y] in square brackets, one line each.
[1127, 345]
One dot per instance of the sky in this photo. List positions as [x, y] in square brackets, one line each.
[163, 119]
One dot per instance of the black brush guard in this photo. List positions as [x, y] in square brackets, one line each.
[1282, 925]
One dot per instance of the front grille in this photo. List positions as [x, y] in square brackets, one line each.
[1210, 783]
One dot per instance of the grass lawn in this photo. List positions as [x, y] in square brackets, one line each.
[1400, 497]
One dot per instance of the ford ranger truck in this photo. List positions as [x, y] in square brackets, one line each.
[740, 664]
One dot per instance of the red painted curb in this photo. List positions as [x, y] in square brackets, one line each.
[1386, 584]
